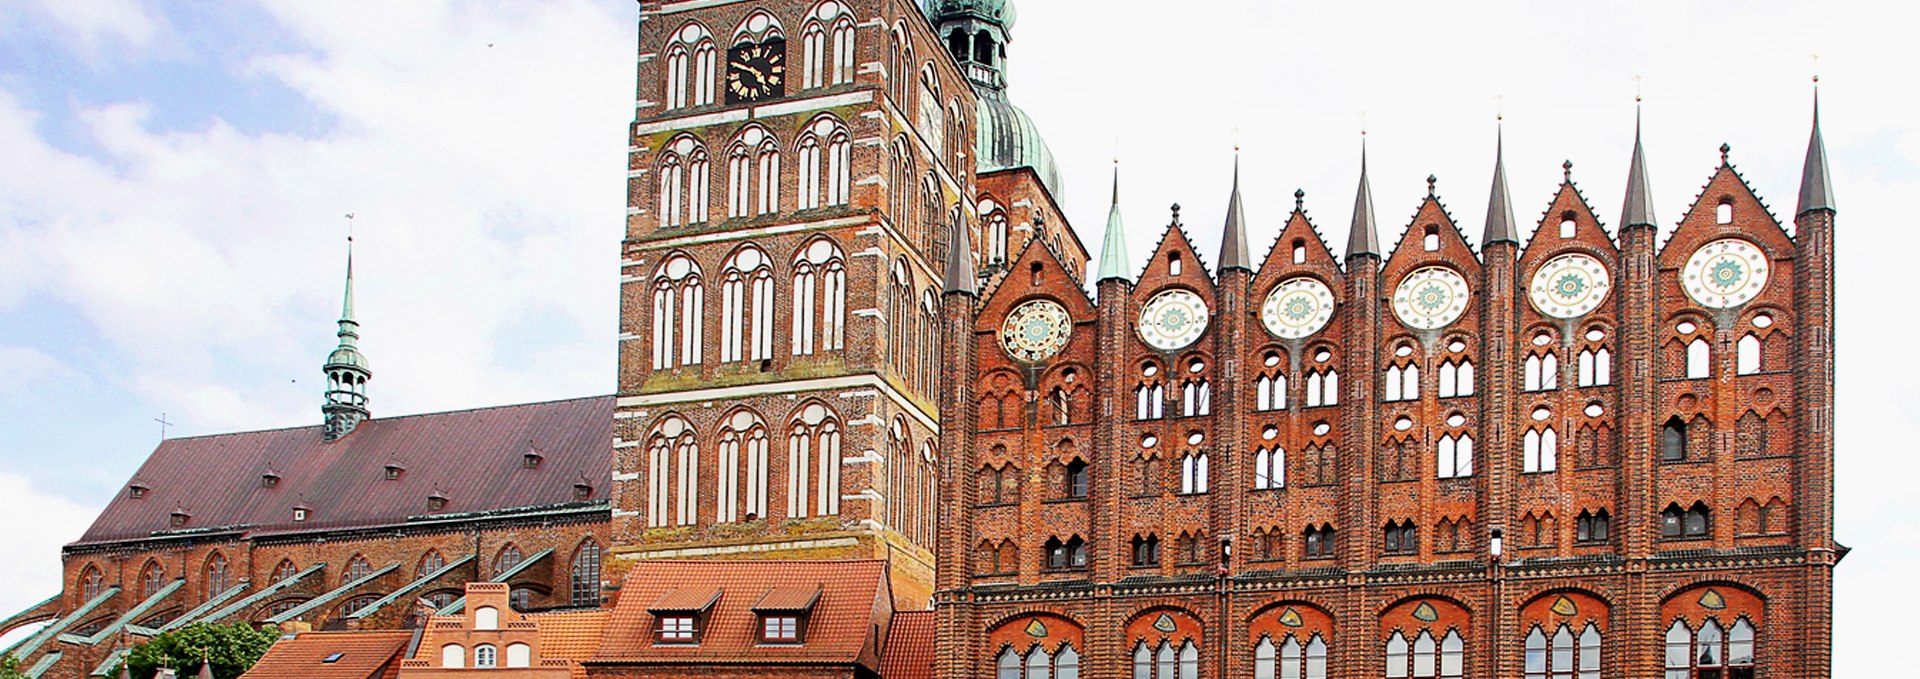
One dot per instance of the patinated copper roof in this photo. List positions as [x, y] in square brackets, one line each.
[476, 459]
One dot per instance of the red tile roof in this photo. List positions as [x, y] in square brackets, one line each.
[363, 655]
[788, 599]
[909, 653]
[854, 601]
[573, 636]
[473, 457]
[687, 600]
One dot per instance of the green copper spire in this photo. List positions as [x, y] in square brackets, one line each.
[346, 369]
[1113, 248]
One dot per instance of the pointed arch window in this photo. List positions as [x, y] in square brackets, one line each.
[1318, 542]
[690, 67]
[1269, 468]
[285, 570]
[768, 160]
[843, 37]
[585, 574]
[813, 463]
[997, 237]
[1068, 554]
[1196, 398]
[741, 489]
[1562, 656]
[1699, 359]
[819, 297]
[1151, 401]
[671, 481]
[1712, 652]
[508, 558]
[216, 577]
[1673, 440]
[1453, 456]
[1294, 660]
[1541, 373]
[1270, 392]
[814, 41]
[1193, 473]
[357, 568]
[152, 578]
[1747, 355]
[1323, 387]
[1540, 452]
[677, 295]
[1692, 522]
[746, 301]
[1596, 367]
[1456, 378]
[430, 563]
[1402, 383]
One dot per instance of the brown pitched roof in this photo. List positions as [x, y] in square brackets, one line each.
[473, 457]
[853, 599]
[363, 655]
[909, 653]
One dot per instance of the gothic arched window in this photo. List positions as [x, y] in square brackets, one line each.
[690, 67]
[430, 563]
[1540, 451]
[215, 577]
[507, 559]
[746, 306]
[586, 574]
[677, 293]
[813, 463]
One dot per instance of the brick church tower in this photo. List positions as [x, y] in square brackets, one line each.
[1594, 455]
[798, 172]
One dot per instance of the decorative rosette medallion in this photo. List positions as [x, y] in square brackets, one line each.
[1036, 330]
[1297, 307]
[1725, 273]
[1569, 286]
[1431, 298]
[1173, 319]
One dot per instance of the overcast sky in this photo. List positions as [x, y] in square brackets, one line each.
[173, 181]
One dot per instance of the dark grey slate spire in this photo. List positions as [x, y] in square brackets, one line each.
[1499, 208]
[1639, 208]
[1816, 192]
[1233, 239]
[960, 276]
[1360, 238]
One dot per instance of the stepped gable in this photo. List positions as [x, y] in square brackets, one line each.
[475, 458]
[854, 602]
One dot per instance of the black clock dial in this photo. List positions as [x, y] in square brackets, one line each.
[756, 71]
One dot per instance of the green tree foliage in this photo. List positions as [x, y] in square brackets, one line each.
[10, 668]
[231, 648]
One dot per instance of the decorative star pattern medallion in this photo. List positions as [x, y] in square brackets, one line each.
[1569, 286]
[1173, 319]
[1725, 273]
[1430, 298]
[1297, 307]
[1035, 331]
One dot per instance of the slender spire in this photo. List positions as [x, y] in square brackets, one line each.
[1233, 240]
[346, 369]
[1361, 239]
[1639, 208]
[1816, 192]
[1113, 248]
[960, 274]
[1499, 209]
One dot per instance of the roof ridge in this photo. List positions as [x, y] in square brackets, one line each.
[203, 437]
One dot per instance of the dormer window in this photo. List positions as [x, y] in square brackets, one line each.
[394, 470]
[780, 629]
[783, 613]
[178, 518]
[582, 491]
[436, 502]
[680, 614]
[136, 491]
[299, 514]
[531, 459]
[269, 480]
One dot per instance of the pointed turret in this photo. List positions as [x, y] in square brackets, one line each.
[1113, 247]
[1233, 239]
[1361, 239]
[1500, 227]
[1816, 192]
[960, 275]
[346, 369]
[1639, 208]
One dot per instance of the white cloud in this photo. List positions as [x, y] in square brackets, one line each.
[21, 367]
[30, 571]
[91, 23]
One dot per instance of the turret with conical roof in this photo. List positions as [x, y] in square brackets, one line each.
[1639, 207]
[1361, 239]
[1816, 191]
[960, 275]
[1113, 246]
[1500, 227]
[346, 369]
[1233, 237]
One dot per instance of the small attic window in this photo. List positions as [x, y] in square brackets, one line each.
[1566, 225]
[1035, 272]
[436, 502]
[1431, 241]
[178, 518]
[394, 470]
[531, 460]
[1173, 264]
[1724, 213]
[333, 658]
[136, 491]
[269, 480]
[582, 491]
[1299, 251]
[299, 514]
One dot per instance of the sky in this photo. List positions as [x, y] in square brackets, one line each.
[174, 180]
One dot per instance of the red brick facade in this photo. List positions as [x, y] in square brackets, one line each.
[1442, 559]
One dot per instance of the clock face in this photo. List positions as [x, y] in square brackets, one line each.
[1297, 307]
[1172, 319]
[756, 71]
[1035, 331]
[1430, 298]
[1725, 273]
[1569, 286]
